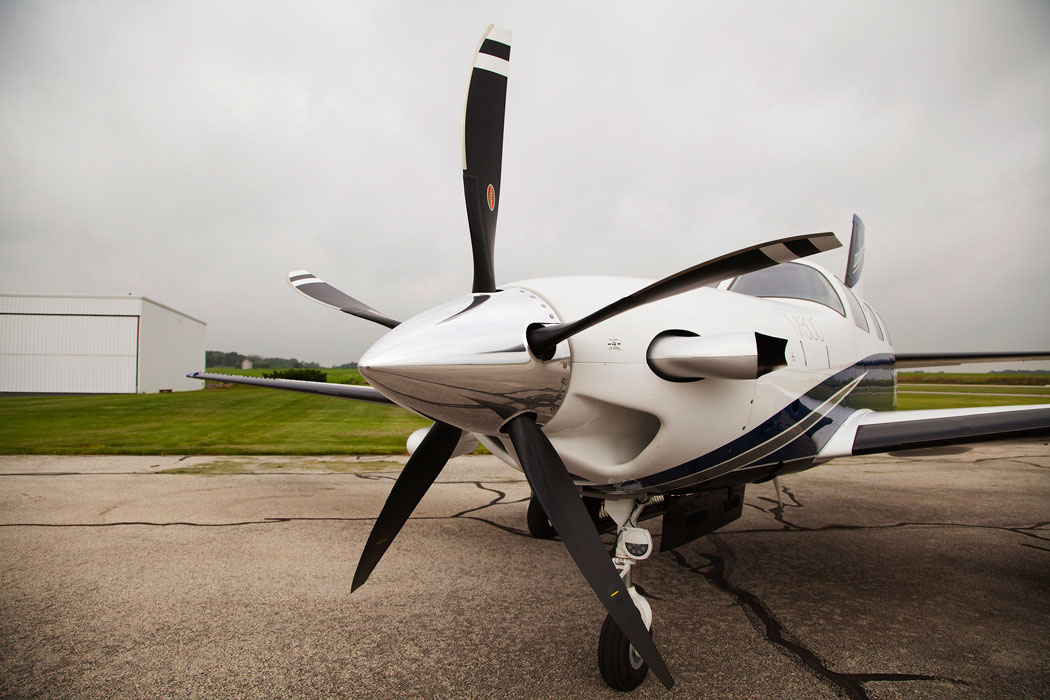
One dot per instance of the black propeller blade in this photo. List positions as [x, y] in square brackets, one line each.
[543, 339]
[320, 291]
[553, 486]
[419, 473]
[483, 115]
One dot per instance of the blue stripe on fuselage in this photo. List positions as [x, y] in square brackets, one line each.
[875, 390]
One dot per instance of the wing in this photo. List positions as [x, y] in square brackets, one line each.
[904, 360]
[343, 391]
[868, 432]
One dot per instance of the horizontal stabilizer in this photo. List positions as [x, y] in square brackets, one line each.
[920, 359]
[867, 432]
[343, 391]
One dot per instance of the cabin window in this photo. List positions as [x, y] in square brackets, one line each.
[874, 321]
[789, 281]
[885, 328]
[858, 313]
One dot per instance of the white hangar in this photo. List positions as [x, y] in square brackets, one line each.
[96, 344]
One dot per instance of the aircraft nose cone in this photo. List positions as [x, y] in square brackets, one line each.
[466, 363]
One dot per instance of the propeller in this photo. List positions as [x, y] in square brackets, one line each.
[307, 284]
[415, 479]
[483, 116]
[483, 124]
[543, 339]
[554, 488]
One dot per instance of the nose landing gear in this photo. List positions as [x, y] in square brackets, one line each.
[620, 665]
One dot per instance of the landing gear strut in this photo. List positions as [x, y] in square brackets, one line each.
[620, 665]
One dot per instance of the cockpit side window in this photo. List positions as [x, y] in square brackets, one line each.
[885, 328]
[874, 321]
[858, 313]
[789, 281]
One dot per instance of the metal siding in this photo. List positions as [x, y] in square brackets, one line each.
[68, 354]
[86, 306]
[171, 345]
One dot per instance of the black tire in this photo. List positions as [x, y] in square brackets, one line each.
[619, 663]
[594, 509]
[539, 526]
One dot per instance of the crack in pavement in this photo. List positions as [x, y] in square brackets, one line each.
[498, 500]
[1018, 460]
[777, 511]
[1032, 546]
[766, 623]
[499, 497]
[778, 514]
[1024, 530]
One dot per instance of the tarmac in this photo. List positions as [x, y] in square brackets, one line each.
[918, 575]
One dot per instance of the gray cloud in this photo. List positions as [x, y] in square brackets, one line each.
[196, 152]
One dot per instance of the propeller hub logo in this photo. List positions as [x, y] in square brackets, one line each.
[491, 195]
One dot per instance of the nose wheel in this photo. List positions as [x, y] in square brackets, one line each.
[620, 665]
[622, 668]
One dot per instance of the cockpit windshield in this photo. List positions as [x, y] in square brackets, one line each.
[789, 281]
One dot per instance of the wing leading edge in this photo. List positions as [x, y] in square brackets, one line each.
[903, 360]
[343, 391]
[868, 432]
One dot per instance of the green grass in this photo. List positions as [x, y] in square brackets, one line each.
[239, 420]
[253, 421]
[909, 402]
[1034, 379]
[976, 389]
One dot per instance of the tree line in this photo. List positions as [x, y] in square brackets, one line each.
[220, 358]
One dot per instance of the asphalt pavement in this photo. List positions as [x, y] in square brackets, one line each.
[921, 575]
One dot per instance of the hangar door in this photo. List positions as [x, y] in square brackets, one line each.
[69, 353]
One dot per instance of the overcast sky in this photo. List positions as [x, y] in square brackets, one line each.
[195, 152]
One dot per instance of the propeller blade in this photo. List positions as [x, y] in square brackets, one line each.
[543, 339]
[419, 473]
[553, 486]
[320, 291]
[483, 113]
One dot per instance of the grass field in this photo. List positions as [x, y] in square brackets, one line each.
[976, 389]
[1032, 379]
[912, 402]
[248, 420]
[239, 420]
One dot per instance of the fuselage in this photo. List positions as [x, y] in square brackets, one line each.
[619, 427]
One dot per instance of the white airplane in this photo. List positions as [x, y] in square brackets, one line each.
[635, 397]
